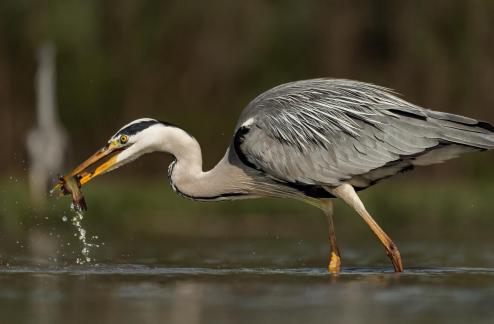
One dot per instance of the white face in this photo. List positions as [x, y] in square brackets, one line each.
[156, 136]
[134, 142]
[128, 134]
[129, 143]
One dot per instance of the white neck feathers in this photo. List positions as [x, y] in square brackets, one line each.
[224, 181]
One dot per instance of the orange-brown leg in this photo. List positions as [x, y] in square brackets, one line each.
[335, 260]
[348, 194]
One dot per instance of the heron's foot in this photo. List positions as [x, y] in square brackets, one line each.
[394, 255]
[334, 263]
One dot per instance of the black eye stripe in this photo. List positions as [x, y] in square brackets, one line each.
[137, 127]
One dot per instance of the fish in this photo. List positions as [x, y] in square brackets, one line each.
[71, 186]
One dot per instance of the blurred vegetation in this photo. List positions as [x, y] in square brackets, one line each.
[197, 64]
[177, 60]
[155, 208]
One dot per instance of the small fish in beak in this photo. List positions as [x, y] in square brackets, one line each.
[71, 186]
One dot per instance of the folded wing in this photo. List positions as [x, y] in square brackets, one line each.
[326, 132]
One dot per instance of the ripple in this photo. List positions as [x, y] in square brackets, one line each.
[137, 269]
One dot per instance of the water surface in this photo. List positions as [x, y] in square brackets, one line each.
[150, 292]
[243, 268]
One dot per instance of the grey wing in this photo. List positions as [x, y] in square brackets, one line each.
[325, 132]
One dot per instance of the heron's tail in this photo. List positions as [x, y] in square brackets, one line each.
[465, 131]
[457, 135]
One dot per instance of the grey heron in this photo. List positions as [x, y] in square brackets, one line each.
[311, 140]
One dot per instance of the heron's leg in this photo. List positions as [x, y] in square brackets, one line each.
[348, 194]
[335, 260]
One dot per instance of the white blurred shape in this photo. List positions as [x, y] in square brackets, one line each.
[47, 142]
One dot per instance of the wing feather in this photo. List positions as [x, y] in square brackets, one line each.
[327, 131]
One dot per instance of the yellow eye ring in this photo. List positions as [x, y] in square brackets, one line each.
[124, 139]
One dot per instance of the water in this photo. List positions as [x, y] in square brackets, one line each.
[271, 279]
[76, 221]
[164, 268]
[77, 207]
[129, 293]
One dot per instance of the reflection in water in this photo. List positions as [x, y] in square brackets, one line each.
[187, 303]
[237, 278]
[136, 293]
[44, 299]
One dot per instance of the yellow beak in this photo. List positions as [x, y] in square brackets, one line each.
[85, 176]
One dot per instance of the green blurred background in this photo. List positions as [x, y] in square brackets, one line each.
[197, 64]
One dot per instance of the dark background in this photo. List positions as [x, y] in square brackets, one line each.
[158, 257]
[198, 63]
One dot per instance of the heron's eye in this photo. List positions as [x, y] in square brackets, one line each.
[124, 139]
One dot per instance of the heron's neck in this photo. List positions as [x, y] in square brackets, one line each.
[187, 177]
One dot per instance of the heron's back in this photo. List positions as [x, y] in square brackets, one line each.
[330, 131]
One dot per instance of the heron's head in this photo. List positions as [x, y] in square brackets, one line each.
[129, 143]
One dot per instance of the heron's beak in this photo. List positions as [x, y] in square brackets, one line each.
[105, 159]
[109, 152]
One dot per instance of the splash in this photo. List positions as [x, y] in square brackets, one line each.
[72, 186]
[76, 220]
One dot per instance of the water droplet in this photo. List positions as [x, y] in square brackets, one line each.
[81, 235]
